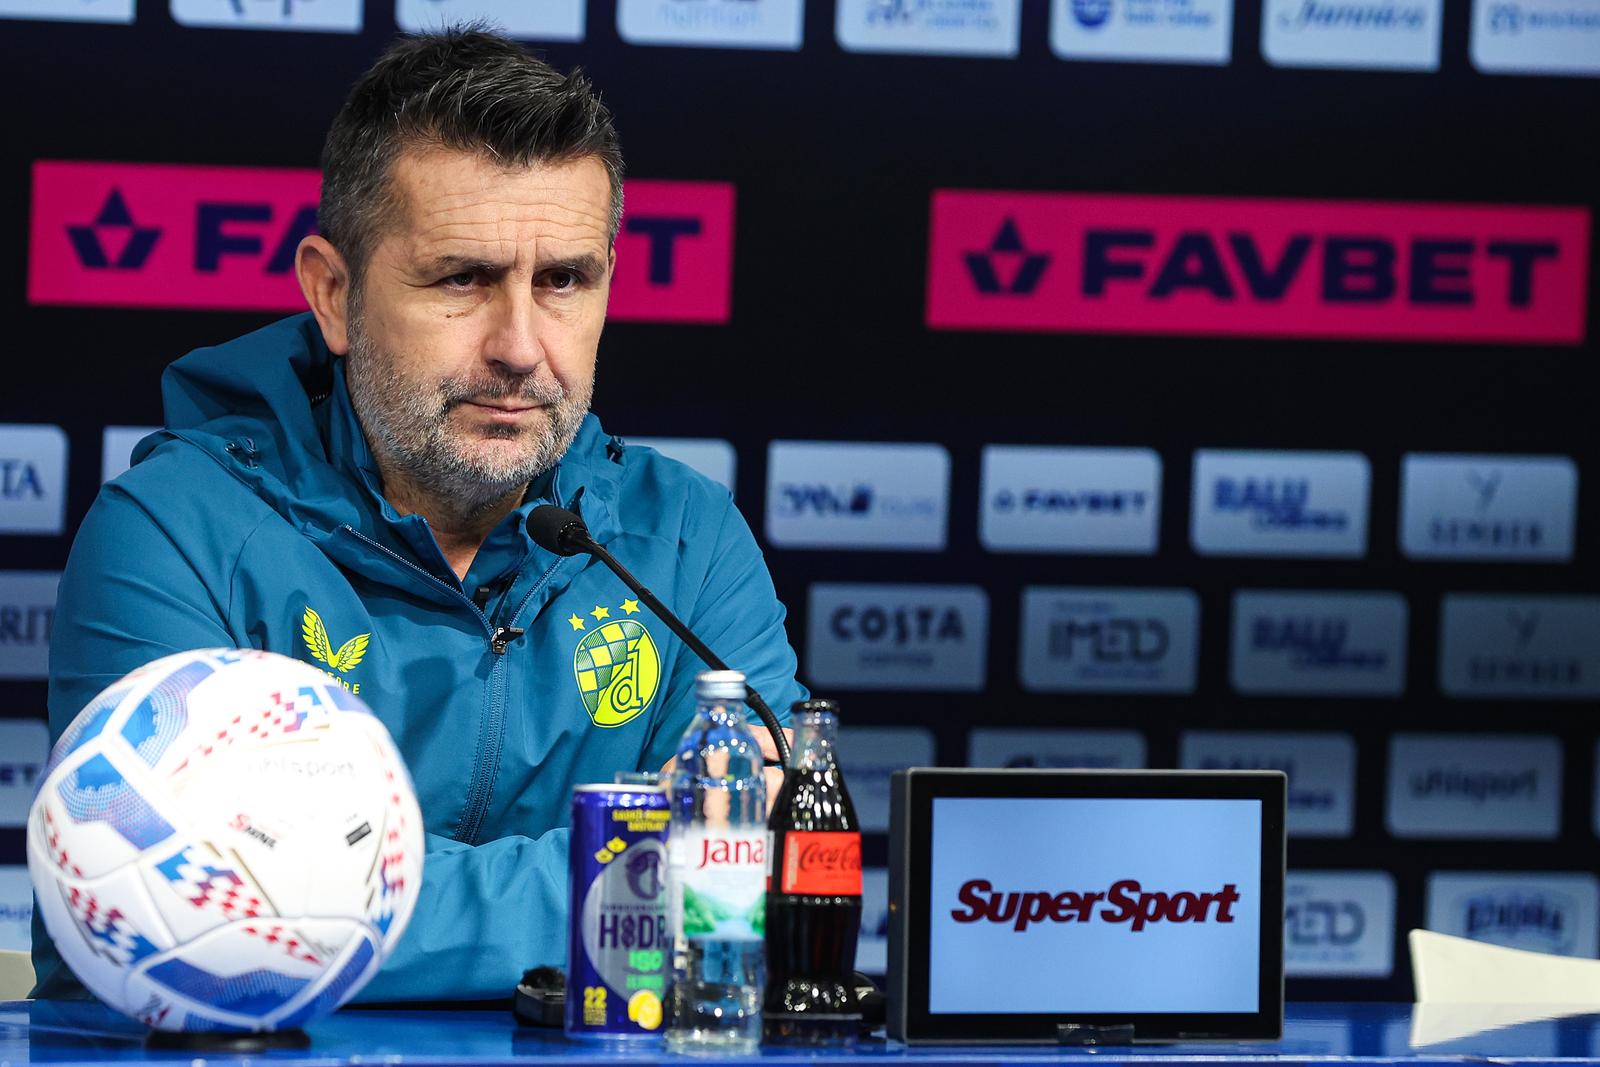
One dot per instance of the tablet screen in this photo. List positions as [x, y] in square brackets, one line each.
[1065, 905]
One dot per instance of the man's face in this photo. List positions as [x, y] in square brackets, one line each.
[474, 335]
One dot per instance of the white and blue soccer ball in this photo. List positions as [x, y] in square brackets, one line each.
[225, 840]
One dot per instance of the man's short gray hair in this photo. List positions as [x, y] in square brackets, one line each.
[466, 89]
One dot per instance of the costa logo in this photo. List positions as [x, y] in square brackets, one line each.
[1244, 267]
[168, 236]
[1125, 902]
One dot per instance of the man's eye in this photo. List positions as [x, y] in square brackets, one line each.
[461, 281]
[563, 279]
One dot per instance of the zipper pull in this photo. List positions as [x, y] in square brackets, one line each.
[503, 636]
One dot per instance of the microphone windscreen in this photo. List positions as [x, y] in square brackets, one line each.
[557, 530]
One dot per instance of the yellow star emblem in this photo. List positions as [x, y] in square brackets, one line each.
[629, 607]
[577, 623]
[600, 613]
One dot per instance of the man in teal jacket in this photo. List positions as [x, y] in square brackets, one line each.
[350, 487]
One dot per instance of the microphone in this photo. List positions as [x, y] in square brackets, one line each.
[555, 529]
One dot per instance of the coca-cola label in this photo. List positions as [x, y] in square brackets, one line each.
[822, 863]
[719, 882]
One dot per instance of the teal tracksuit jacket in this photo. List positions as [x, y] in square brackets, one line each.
[254, 519]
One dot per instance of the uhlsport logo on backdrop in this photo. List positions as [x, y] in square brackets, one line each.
[1321, 768]
[1488, 507]
[1338, 924]
[1551, 912]
[1536, 36]
[834, 494]
[1091, 263]
[24, 747]
[329, 16]
[1339, 644]
[882, 636]
[78, 11]
[711, 456]
[1149, 31]
[616, 663]
[547, 20]
[1059, 749]
[16, 909]
[1488, 786]
[27, 613]
[1279, 503]
[1109, 640]
[1506, 645]
[159, 235]
[1039, 498]
[1359, 34]
[771, 24]
[33, 479]
[868, 755]
[929, 27]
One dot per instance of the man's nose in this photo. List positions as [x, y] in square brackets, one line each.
[514, 342]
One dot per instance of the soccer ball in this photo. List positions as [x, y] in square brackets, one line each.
[225, 840]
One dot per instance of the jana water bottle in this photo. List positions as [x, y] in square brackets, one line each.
[717, 863]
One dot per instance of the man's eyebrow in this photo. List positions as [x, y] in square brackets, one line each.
[456, 264]
[587, 264]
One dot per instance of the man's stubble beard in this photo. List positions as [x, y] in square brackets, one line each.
[409, 429]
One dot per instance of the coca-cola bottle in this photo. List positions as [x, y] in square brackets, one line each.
[814, 891]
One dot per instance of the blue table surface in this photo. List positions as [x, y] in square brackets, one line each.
[1313, 1033]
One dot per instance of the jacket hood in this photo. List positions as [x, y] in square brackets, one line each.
[270, 408]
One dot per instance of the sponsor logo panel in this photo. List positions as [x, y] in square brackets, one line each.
[56, 11]
[1505, 645]
[116, 448]
[548, 20]
[1109, 640]
[929, 27]
[24, 747]
[835, 494]
[1488, 786]
[711, 456]
[171, 236]
[1339, 644]
[1536, 37]
[1355, 34]
[1066, 749]
[882, 636]
[872, 947]
[1092, 263]
[868, 755]
[1150, 31]
[326, 16]
[27, 612]
[1338, 924]
[1279, 503]
[1488, 507]
[1038, 498]
[33, 479]
[1321, 769]
[1551, 912]
[770, 24]
[16, 910]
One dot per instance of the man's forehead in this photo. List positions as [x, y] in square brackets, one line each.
[459, 203]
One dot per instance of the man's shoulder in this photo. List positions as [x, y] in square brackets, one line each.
[177, 480]
[662, 490]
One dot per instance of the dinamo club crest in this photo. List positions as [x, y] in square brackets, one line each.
[617, 666]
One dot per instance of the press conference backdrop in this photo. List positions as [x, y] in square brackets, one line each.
[1111, 383]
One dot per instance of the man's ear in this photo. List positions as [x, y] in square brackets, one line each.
[325, 281]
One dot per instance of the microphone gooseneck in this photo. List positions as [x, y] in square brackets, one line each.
[555, 529]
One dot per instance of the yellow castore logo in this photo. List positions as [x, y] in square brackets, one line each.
[349, 655]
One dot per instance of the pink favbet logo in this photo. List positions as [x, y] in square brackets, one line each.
[223, 238]
[1076, 263]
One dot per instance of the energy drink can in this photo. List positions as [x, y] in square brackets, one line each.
[618, 948]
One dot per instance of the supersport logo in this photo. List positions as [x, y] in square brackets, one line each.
[1126, 902]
